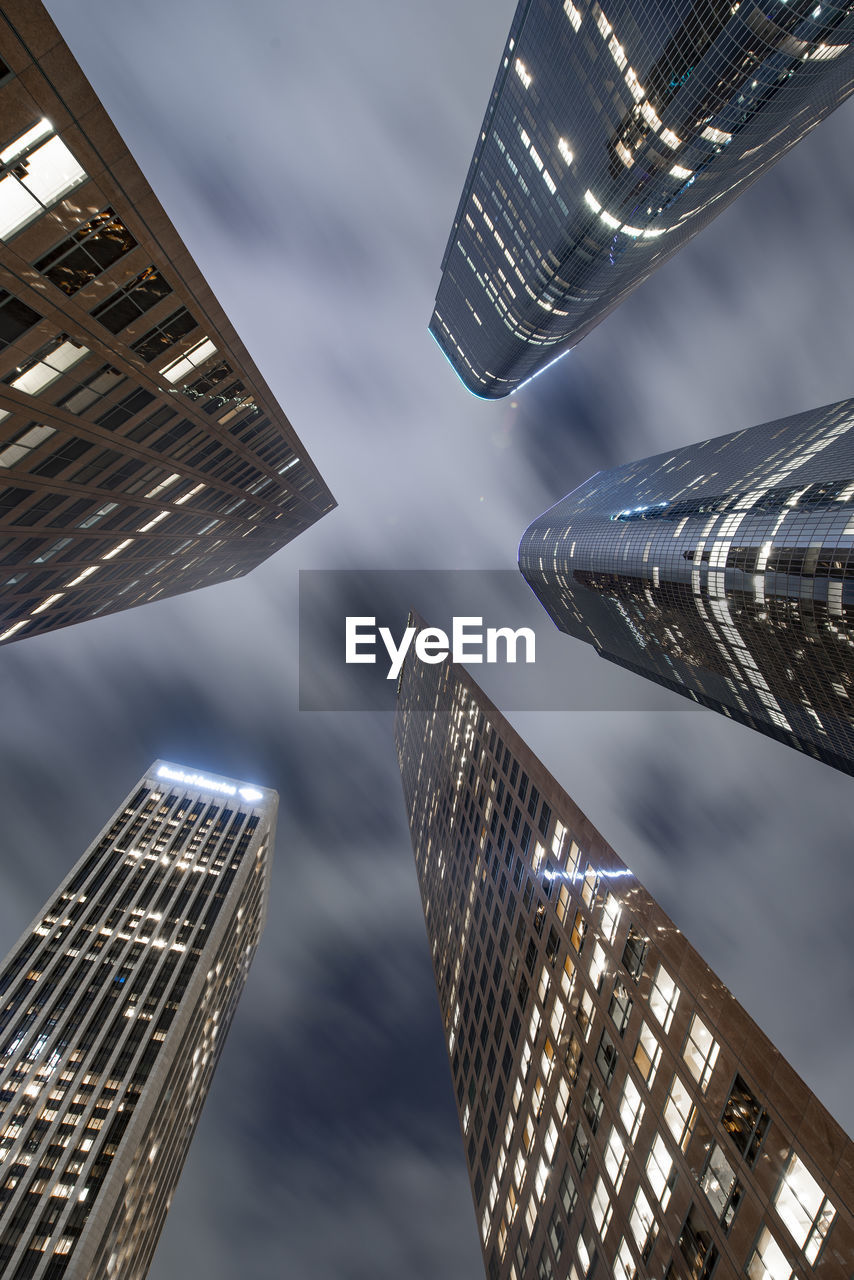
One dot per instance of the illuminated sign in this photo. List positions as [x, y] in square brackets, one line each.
[249, 794]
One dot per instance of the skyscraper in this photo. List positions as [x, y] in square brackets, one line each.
[723, 571]
[617, 1104]
[615, 131]
[141, 452]
[116, 1004]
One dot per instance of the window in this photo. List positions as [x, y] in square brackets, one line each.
[30, 438]
[82, 256]
[51, 363]
[700, 1052]
[130, 405]
[631, 1108]
[680, 1112]
[164, 335]
[642, 1224]
[579, 929]
[721, 1186]
[634, 952]
[804, 1208]
[647, 1054]
[589, 886]
[15, 318]
[574, 1057]
[660, 1171]
[132, 300]
[92, 389]
[620, 1007]
[556, 1233]
[616, 1157]
[568, 1193]
[39, 170]
[768, 1262]
[606, 1057]
[600, 1207]
[584, 1014]
[663, 997]
[745, 1120]
[611, 911]
[592, 1105]
[192, 359]
[696, 1245]
[625, 1267]
[580, 1148]
[598, 965]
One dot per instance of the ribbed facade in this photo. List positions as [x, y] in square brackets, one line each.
[723, 571]
[141, 452]
[116, 1004]
[615, 131]
[621, 1113]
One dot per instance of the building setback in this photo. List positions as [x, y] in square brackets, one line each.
[116, 1004]
[141, 452]
[615, 131]
[723, 571]
[622, 1115]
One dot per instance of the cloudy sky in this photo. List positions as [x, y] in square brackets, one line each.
[312, 158]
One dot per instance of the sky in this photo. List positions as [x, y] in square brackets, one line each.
[312, 157]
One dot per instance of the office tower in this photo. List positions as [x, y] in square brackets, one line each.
[615, 131]
[116, 1004]
[617, 1104]
[723, 571]
[141, 452]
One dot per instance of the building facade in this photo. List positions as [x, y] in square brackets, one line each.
[116, 1004]
[141, 452]
[622, 1115]
[615, 131]
[723, 571]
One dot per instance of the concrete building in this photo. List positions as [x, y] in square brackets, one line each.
[621, 1113]
[141, 452]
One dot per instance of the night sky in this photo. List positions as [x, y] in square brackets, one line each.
[312, 157]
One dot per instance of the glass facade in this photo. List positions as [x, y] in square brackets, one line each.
[622, 1116]
[615, 131]
[141, 452]
[723, 571]
[116, 1004]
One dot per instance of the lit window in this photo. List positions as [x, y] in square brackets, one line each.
[663, 997]
[191, 360]
[611, 910]
[700, 1052]
[647, 1054]
[768, 1261]
[616, 1157]
[44, 171]
[40, 373]
[745, 1120]
[600, 1206]
[660, 1171]
[721, 1186]
[625, 1267]
[30, 439]
[803, 1207]
[642, 1224]
[680, 1112]
[631, 1108]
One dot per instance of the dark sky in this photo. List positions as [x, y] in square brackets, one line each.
[312, 158]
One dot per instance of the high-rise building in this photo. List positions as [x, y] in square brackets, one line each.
[141, 452]
[615, 131]
[723, 571]
[621, 1113]
[116, 1004]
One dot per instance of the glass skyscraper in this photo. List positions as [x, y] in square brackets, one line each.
[141, 452]
[616, 130]
[622, 1115]
[116, 1004]
[723, 571]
